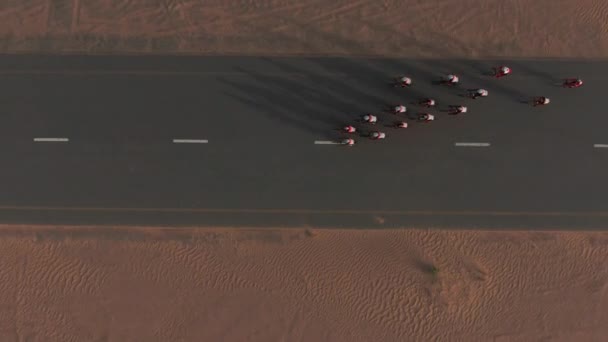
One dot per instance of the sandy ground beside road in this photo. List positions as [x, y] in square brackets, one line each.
[149, 284]
[409, 28]
[114, 284]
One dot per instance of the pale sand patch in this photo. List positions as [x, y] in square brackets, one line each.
[409, 28]
[116, 284]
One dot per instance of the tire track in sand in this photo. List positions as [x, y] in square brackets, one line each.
[75, 16]
[60, 15]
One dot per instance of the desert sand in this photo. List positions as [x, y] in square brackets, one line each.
[154, 284]
[408, 28]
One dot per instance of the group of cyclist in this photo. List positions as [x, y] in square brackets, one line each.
[449, 80]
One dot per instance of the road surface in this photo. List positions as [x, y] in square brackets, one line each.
[230, 141]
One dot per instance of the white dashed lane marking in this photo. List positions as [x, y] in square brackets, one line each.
[472, 144]
[51, 139]
[317, 142]
[190, 141]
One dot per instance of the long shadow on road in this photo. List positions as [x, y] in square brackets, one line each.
[288, 101]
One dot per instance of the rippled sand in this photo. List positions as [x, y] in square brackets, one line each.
[137, 284]
[411, 28]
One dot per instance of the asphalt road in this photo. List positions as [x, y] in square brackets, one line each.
[260, 166]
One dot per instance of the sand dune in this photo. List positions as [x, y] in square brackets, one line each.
[115, 284]
[410, 28]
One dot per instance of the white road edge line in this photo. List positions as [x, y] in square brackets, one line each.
[51, 139]
[471, 144]
[326, 142]
[190, 141]
[600, 145]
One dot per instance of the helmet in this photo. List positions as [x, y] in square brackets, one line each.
[402, 124]
[547, 100]
[377, 135]
[462, 109]
[349, 142]
[367, 117]
[430, 117]
[505, 70]
[406, 80]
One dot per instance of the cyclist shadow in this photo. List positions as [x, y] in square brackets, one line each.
[528, 101]
[440, 82]
[414, 116]
[395, 124]
[449, 110]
